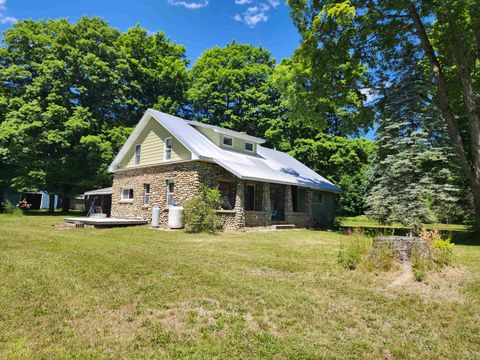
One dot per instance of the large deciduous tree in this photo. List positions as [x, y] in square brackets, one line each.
[231, 87]
[70, 94]
[372, 34]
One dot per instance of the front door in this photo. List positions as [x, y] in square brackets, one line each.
[277, 200]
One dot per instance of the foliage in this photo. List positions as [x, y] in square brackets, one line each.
[442, 251]
[10, 208]
[230, 87]
[200, 214]
[380, 258]
[413, 176]
[349, 256]
[70, 94]
[354, 46]
[341, 160]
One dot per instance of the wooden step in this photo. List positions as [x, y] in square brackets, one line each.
[283, 226]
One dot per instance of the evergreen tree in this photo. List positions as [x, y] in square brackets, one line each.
[414, 177]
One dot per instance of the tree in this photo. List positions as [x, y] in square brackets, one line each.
[70, 94]
[373, 33]
[231, 87]
[343, 161]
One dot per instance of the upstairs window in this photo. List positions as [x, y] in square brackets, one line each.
[249, 146]
[138, 149]
[146, 194]
[168, 149]
[170, 192]
[227, 141]
[127, 194]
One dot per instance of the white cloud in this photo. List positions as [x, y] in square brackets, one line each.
[256, 13]
[192, 5]
[4, 18]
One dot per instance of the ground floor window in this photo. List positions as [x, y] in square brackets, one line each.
[127, 194]
[227, 194]
[250, 197]
[146, 194]
[170, 192]
[317, 198]
[299, 196]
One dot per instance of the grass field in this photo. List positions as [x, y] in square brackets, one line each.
[143, 293]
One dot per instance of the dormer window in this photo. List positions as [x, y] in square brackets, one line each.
[249, 146]
[138, 149]
[227, 141]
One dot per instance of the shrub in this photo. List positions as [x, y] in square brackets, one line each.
[349, 256]
[9, 208]
[199, 213]
[442, 251]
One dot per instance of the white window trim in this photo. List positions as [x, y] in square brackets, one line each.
[122, 198]
[139, 155]
[230, 137]
[165, 149]
[253, 146]
[145, 194]
[170, 181]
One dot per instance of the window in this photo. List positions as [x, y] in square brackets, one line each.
[168, 149]
[146, 194]
[249, 146]
[317, 197]
[227, 194]
[250, 197]
[298, 199]
[127, 194]
[227, 141]
[170, 192]
[138, 149]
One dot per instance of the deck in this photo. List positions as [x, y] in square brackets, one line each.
[102, 222]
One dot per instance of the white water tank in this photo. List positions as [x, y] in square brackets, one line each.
[155, 216]
[175, 217]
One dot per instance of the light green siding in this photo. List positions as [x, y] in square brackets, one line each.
[217, 139]
[152, 147]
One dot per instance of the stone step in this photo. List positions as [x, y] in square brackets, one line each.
[283, 226]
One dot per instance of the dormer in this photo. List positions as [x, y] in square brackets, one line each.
[228, 139]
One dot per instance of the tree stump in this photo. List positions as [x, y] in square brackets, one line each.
[403, 247]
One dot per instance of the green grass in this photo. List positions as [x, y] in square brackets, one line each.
[143, 293]
[363, 221]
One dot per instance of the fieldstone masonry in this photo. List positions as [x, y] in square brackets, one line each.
[189, 178]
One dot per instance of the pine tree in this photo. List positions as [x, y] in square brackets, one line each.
[414, 177]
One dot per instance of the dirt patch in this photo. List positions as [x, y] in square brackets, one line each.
[442, 285]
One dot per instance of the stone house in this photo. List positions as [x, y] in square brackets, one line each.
[166, 161]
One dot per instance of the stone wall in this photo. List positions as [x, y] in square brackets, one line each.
[189, 178]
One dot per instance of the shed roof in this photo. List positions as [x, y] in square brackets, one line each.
[267, 165]
[104, 191]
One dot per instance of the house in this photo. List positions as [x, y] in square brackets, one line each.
[167, 160]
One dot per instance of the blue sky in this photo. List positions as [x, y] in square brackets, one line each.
[197, 24]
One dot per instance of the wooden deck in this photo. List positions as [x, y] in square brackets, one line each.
[102, 222]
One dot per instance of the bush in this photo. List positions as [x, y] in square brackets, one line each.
[199, 213]
[9, 208]
[442, 251]
[349, 256]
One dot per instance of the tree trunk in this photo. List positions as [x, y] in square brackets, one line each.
[66, 198]
[51, 203]
[471, 171]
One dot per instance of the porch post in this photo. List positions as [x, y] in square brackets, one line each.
[288, 202]
[267, 206]
[240, 204]
[308, 206]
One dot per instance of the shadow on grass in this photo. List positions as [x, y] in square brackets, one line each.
[56, 213]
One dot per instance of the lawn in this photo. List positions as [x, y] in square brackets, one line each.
[143, 293]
